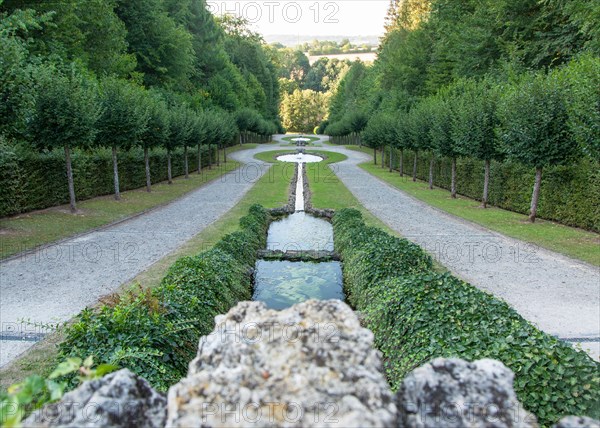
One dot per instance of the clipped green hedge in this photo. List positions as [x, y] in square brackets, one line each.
[417, 315]
[155, 333]
[569, 194]
[33, 180]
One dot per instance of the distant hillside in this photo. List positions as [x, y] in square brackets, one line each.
[295, 40]
[364, 57]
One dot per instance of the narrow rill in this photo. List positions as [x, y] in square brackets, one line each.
[283, 283]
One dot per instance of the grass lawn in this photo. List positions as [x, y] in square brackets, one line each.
[570, 241]
[290, 138]
[29, 230]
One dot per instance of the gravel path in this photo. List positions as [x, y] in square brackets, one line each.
[558, 294]
[53, 284]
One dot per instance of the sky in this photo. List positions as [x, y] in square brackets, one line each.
[308, 17]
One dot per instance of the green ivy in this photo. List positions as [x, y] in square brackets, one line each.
[35, 391]
[155, 332]
[417, 315]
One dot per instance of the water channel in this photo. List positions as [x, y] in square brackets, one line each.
[281, 283]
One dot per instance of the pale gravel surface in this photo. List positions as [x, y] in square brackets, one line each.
[560, 295]
[54, 284]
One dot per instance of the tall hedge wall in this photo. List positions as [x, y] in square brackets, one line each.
[569, 195]
[31, 180]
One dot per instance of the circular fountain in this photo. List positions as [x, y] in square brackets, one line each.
[299, 158]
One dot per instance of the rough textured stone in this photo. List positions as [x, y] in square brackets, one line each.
[309, 365]
[577, 422]
[449, 393]
[120, 399]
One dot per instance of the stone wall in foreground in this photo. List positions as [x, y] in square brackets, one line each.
[311, 365]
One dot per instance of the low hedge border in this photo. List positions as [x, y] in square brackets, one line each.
[417, 315]
[155, 332]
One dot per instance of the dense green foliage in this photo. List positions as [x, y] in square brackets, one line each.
[301, 111]
[500, 80]
[417, 314]
[155, 332]
[305, 88]
[35, 391]
[106, 73]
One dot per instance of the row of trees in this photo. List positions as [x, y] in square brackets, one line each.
[76, 111]
[80, 74]
[539, 120]
[460, 79]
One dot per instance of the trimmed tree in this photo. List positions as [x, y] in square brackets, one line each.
[582, 78]
[402, 138]
[534, 127]
[65, 113]
[474, 123]
[380, 132]
[441, 134]
[123, 120]
[180, 129]
[200, 136]
[419, 125]
[157, 133]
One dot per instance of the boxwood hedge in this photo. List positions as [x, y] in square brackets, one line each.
[155, 332]
[417, 314]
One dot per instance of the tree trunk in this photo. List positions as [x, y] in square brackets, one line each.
[453, 179]
[375, 156]
[224, 155]
[116, 173]
[414, 177]
[401, 163]
[70, 179]
[218, 159]
[241, 142]
[199, 159]
[147, 164]
[486, 184]
[382, 157]
[391, 159]
[169, 174]
[185, 162]
[536, 194]
[431, 165]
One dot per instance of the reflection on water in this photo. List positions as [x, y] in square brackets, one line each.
[281, 284]
[300, 231]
